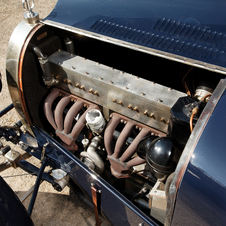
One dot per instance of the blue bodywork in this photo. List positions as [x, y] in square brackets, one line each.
[201, 198]
[191, 29]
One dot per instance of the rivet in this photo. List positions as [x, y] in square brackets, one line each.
[111, 82]
[68, 82]
[59, 50]
[87, 73]
[169, 89]
[125, 122]
[159, 100]
[111, 116]
[72, 100]
[135, 109]
[82, 87]
[121, 72]
[85, 105]
[152, 83]
[65, 80]
[96, 93]
[73, 67]
[112, 68]
[114, 100]
[127, 88]
[142, 94]
[57, 76]
[130, 106]
[120, 102]
[77, 85]
[162, 120]
[97, 63]
[140, 129]
[91, 90]
[101, 78]
[59, 63]
[137, 127]
[146, 112]
[122, 121]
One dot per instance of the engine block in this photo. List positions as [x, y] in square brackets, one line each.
[114, 90]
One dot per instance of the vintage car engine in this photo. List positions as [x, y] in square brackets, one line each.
[126, 114]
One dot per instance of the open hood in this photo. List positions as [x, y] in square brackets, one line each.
[190, 29]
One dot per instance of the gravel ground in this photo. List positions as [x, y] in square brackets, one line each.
[51, 207]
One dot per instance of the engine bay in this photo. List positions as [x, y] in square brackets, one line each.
[125, 114]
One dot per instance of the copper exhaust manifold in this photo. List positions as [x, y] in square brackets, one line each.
[63, 127]
[122, 161]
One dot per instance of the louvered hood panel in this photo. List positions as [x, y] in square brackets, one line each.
[190, 29]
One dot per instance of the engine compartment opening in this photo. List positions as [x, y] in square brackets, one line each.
[127, 115]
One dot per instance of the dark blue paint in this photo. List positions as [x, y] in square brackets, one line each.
[189, 28]
[201, 198]
[115, 206]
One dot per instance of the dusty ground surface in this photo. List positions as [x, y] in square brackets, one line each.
[51, 207]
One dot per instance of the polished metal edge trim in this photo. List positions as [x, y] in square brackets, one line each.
[151, 51]
[189, 149]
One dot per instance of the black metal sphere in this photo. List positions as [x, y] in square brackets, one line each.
[162, 157]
